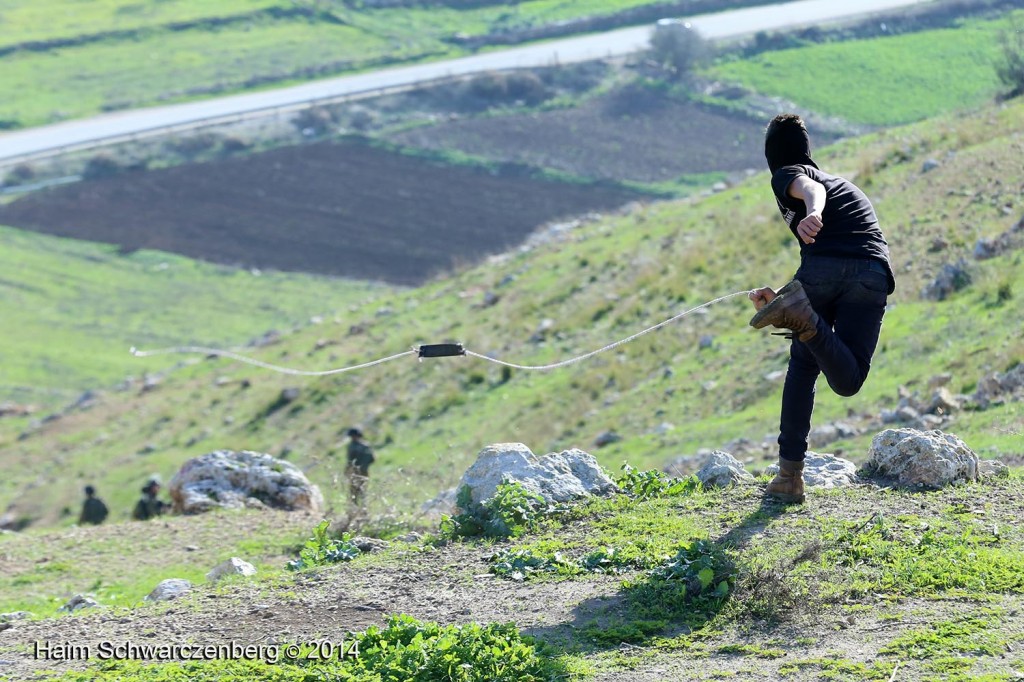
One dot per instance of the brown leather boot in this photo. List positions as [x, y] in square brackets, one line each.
[790, 309]
[788, 484]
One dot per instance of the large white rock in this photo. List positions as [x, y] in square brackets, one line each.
[931, 459]
[557, 476]
[172, 588]
[822, 470]
[723, 470]
[237, 479]
[233, 566]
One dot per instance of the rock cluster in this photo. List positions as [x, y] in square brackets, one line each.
[238, 479]
[952, 277]
[1013, 238]
[926, 459]
[823, 470]
[557, 477]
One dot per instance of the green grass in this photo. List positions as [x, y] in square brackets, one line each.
[216, 60]
[72, 310]
[119, 565]
[146, 62]
[611, 279]
[33, 20]
[882, 81]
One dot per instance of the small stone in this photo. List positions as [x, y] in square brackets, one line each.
[79, 601]
[169, 589]
[606, 438]
[233, 566]
[723, 470]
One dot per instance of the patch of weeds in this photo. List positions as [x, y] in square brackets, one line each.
[766, 589]
[949, 665]
[688, 590]
[750, 650]
[912, 558]
[703, 568]
[518, 564]
[512, 511]
[838, 669]
[404, 649]
[643, 485]
[975, 634]
[322, 549]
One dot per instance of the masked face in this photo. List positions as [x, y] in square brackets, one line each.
[787, 145]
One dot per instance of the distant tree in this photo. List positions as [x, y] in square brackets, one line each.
[1010, 65]
[678, 47]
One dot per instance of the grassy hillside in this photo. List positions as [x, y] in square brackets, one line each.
[883, 81]
[607, 279]
[72, 309]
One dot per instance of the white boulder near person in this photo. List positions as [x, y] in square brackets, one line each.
[557, 476]
[225, 478]
[926, 459]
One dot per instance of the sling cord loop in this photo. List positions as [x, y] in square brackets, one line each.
[417, 351]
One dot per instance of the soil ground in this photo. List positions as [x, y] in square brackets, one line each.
[344, 209]
[451, 584]
[633, 133]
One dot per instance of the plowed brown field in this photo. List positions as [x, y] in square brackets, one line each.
[345, 209]
[633, 133]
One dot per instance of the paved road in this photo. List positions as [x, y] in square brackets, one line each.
[84, 133]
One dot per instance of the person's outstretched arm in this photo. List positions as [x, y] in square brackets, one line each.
[812, 193]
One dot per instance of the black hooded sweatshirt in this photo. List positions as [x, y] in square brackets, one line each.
[849, 224]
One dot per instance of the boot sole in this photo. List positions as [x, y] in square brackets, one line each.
[789, 499]
[757, 320]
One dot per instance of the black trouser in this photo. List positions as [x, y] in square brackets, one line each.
[849, 296]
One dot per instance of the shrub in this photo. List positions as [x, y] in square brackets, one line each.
[101, 166]
[703, 568]
[678, 48]
[314, 121]
[644, 485]
[322, 549]
[1010, 66]
[512, 511]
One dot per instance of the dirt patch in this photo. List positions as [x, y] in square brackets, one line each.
[345, 209]
[634, 133]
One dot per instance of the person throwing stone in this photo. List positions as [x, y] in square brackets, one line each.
[833, 308]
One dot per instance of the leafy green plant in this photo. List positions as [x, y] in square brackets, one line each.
[644, 485]
[519, 564]
[404, 649]
[512, 511]
[702, 567]
[408, 649]
[322, 549]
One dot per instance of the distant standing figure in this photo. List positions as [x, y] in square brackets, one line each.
[149, 505]
[360, 457]
[93, 509]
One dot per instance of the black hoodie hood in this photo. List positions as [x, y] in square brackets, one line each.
[788, 145]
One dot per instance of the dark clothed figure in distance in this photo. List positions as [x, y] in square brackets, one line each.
[357, 468]
[93, 509]
[834, 306]
[149, 506]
